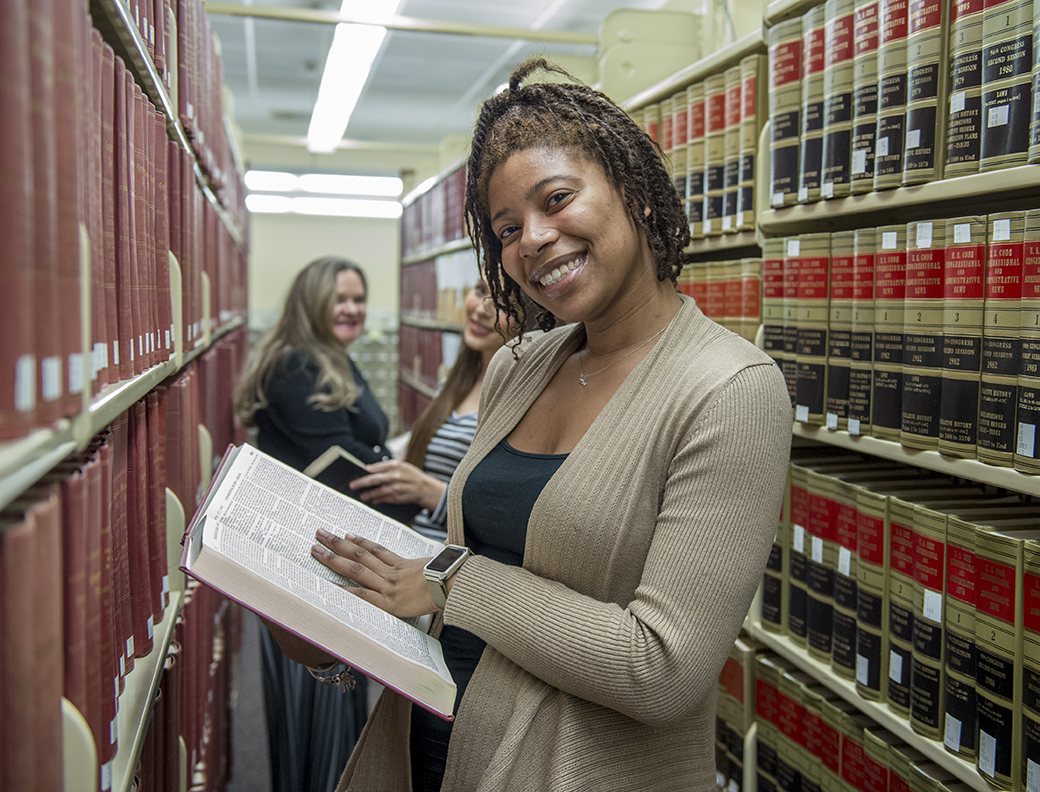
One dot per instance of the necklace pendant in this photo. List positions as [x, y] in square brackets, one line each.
[581, 379]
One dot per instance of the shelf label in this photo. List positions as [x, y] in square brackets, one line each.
[952, 735]
[778, 197]
[817, 549]
[913, 138]
[832, 421]
[987, 754]
[106, 775]
[997, 116]
[853, 426]
[827, 191]
[962, 233]
[803, 193]
[933, 602]
[793, 248]
[845, 561]
[801, 413]
[924, 235]
[1002, 230]
[706, 228]
[51, 378]
[862, 670]
[25, 383]
[727, 223]
[957, 101]
[881, 147]
[1032, 776]
[889, 240]
[1026, 439]
[859, 161]
[895, 666]
[799, 538]
[740, 218]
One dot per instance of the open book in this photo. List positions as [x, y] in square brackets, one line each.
[250, 540]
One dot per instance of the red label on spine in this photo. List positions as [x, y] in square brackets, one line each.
[814, 54]
[893, 21]
[924, 14]
[1004, 272]
[996, 590]
[785, 63]
[901, 549]
[1031, 272]
[842, 278]
[863, 264]
[960, 574]
[696, 121]
[749, 97]
[812, 278]
[845, 532]
[965, 273]
[870, 533]
[717, 112]
[929, 562]
[866, 29]
[1031, 602]
[822, 517]
[732, 679]
[924, 274]
[962, 8]
[733, 105]
[890, 271]
[800, 506]
[765, 701]
[839, 40]
[852, 762]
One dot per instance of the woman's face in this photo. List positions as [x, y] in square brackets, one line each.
[348, 314]
[479, 333]
[567, 237]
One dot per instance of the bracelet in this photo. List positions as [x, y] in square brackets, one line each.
[344, 678]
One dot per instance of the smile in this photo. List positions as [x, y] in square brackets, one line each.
[560, 272]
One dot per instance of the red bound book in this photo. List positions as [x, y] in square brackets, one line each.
[162, 239]
[108, 210]
[17, 277]
[138, 531]
[119, 442]
[184, 52]
[69, 127]
[145, 268]
[156, 412]
[17, 656]
[189, 261]
[172, 683]
[110, 632]
[133, 229]
[175, 450]
[194, 406]
[75, 572]
[98, 310]
[159, 23]
[47, 331]
[100, 690]
[122, 351]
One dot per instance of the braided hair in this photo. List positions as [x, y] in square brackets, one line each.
[569, 115]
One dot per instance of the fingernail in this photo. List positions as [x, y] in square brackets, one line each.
[318, 551]
[349, 536]
[323, 534]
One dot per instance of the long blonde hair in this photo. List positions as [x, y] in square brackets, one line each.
[305, 327]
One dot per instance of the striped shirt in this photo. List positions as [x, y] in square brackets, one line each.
[447, 448]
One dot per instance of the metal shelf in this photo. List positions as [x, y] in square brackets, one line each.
[779, 10]
[448, 247]
[885, 717]
[1007, 478]
[430, 324]
[710, 247]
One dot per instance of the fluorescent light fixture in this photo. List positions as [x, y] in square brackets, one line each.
[271, 181]
[353, 51]
[268, 204]
[337, 184]
[324, 207]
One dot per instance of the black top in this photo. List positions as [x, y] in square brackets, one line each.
[496, 507]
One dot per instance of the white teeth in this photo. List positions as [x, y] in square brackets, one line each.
[557, 274]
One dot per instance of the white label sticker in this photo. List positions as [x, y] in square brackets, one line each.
[987, 754]
[859, 161]
[115, 353]
[106, 776]
[933, 603]
[793, 247]
[832, 421]
[799, 538]
[76, 373]
[113, 727]
[862, 670]
[778, 199]
[895, 666]
[1032, 776]
[801, 413]
[924, 235]
[130, 646]
[51, 376]
[720, 779]
[165, 585]
[706, 227]
[25, 383]
[881, 147]
[733, 786]
[962, 233]
[803, 193]
[151, 628]
[952, 735]
[1002, 230]
[997, 116]
[740, 218]
[122, 667]
[913, 138]
[1026, 440]
[853, 426]
[845, 561]
[817, 549]
[889, 240]
[957, 101]
[827, 190]
[727, 223]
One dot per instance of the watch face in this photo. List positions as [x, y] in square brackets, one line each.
[447, 557]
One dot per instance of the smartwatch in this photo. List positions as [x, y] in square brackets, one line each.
[441, 567]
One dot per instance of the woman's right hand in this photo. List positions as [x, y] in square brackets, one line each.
[395, 481]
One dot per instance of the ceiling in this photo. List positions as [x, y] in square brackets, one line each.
[424, 86]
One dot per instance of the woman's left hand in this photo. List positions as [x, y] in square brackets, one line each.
[387, 581]
[394, 481]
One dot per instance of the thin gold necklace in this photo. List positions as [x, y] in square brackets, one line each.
[582, 376]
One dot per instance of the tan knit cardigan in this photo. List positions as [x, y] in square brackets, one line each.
[643, 553]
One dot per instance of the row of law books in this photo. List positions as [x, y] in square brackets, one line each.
[810, 738]
[92, 172]
[926, 334]
[192, 700]
[922, 591]
[709, 135]
[728, 292]
[435, 289]
[735, 713]
[436, 216]
[867, 95]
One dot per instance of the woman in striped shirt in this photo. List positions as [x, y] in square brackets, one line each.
[441, 436]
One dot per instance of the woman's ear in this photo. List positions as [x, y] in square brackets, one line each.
[646, 211]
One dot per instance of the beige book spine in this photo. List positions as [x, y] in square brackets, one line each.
[873, 528]
[926, 55]
[798, 575]
[922, 335]
[927, 670]
[889, 296]
[879, 745]
[752, 112]
[750, 297]
[732, 296]
[775, 578]
[864, 96]
[861, 357]
[814, 263]
[959, 623]
[964, 282]
[838, 75]
[731, 150]
[1027, 453]
[853, 751]
[892, 79]
[900, 604]
[929, 777]
[767, 686]
[823, 564]
[652, 121]
[901, 758]
[1007, 62]
[963, 126]
[792, 253]
[843, 639]
[1030, 717]
[714, 153]
[810, 166]
[695, 160]
[839, 334]
[773, 299]
[785, 103]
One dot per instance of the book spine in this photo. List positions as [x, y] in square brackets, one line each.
[838, 77]
[731, 150]
[137, 531]
[889, 297]
[1030, 721]
[964, 283]
[963, 125]
[773, 299]
[853, 756]
[823, 563]
[652, 122]
[134, 98]
[785, 102]
[751, 114]
[876, 761]
[861, 356]
[1007, 47]
[839, 335]
[922, 332]
[750, 297]
[810, 165]
[927, 670]
[872, 570]
[864, 96]
[162, 239]
[714, 153]
[797, 579]
[792, 252]
[155, 408]
[695, 160]
[829, 745]
[846, 592]
[813, 312]
[667, 114]
[959, 623]
[892, 79]
[715, 297]
[75, 570]
[1001, 355]
[774, 581]
[998, 635]
[926, 91]
[1027, 457]
[900, 604]
[99, 310]
[733, 295]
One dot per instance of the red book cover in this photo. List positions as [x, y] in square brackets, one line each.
[172, 683]
[75, 572]
[145, 268]
[159, 46]
[137, 531]
[123, 350]
[190, 266]
[100, 690]
[162, 238]
[184, 54]
[98, 312]
[195, 418]
[156, 408]
[69, 139]
[175, 450]
[49, 383]
[111, 678]
[17, 279]
[119, 442]
[108, 211]
[133, 229]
